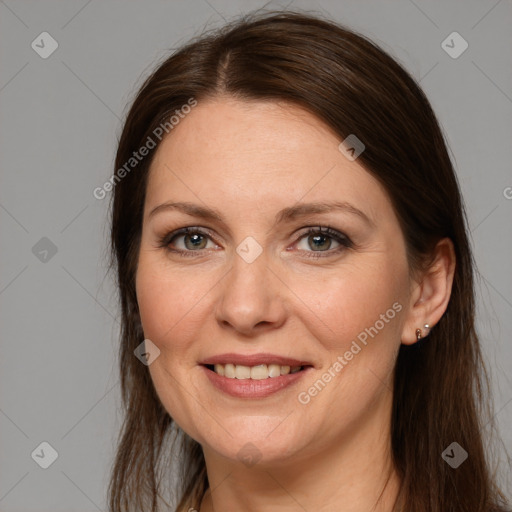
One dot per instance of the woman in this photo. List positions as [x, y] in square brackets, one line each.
[296, 283]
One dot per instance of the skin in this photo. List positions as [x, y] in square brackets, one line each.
[332, 453]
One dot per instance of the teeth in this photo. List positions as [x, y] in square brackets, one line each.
[229, 371]
[274, 370]
[259, 372]
[242, 372]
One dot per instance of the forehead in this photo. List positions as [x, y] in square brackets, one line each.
[255, 153]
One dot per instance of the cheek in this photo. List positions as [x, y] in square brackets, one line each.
[167, 303]
[357, 316]
[353, 299]
[168, 309]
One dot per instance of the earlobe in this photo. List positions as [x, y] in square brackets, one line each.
[431, 295]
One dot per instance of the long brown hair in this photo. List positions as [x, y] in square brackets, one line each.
[441, 388]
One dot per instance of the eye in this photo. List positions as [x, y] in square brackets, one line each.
[320, 240]
[187, 240]
[191, 241]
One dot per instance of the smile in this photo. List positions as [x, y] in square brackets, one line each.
[253, 382]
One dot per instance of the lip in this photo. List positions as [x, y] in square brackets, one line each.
[249, 388]
[254, 360]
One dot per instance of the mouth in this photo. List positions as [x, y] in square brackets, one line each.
[254, 376]
[257, 372]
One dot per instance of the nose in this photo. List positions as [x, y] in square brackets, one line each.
[251, 298]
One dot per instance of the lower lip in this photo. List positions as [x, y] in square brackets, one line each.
[252, 388]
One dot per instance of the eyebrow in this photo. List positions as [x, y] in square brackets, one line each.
[285, 215]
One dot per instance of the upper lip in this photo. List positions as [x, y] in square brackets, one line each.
[253, 360]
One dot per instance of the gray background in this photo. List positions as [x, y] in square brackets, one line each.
[61, 117]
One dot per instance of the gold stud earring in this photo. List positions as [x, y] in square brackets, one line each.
[418, 332]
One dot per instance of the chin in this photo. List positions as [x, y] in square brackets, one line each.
[253, 445]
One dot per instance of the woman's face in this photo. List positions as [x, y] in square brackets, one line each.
[249, 284]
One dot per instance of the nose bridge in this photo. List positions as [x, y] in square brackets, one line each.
[250, 267]
[249, 293]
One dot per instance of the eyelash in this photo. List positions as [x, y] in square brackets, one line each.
[343, 240]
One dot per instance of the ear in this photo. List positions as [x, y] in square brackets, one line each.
[430, 293]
